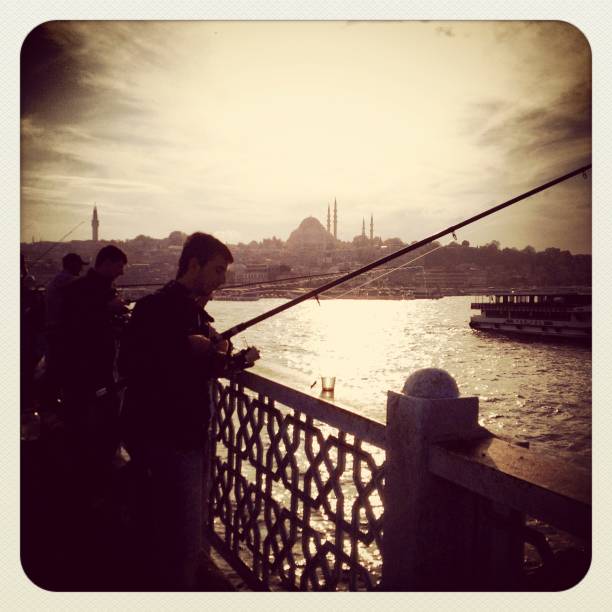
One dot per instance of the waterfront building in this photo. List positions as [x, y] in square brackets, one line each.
[255, 273]
[248, 273]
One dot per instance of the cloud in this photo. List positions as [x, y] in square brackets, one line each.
[254, 126]
[566, 118]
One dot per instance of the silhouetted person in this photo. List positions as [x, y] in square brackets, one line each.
[72, 264]
[88, 348]
[170, 354]
[31, 329]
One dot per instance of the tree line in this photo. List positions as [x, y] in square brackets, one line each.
[509, 266]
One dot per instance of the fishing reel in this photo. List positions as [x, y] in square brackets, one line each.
[243, 359]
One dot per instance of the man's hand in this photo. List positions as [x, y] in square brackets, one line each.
[244, 359]
[117, 306]
[251, 356]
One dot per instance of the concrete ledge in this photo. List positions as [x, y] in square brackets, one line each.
[557, 493]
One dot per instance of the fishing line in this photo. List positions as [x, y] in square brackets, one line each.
[288, 280]
[368, 282]
[243, 285]
[449, 230]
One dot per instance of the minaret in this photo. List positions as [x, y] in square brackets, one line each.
[328, 221]
[363, 228]
[94, 225]
[371, 227]
[335, 219]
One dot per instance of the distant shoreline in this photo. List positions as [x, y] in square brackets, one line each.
[408, 295]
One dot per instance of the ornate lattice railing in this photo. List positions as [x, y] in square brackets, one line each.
[297, 488]
[298, 485]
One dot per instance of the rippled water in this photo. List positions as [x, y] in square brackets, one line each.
[531, 390]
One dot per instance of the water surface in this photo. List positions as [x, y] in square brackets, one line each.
[531, 390]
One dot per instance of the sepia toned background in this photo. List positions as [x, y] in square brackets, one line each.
[243, 128]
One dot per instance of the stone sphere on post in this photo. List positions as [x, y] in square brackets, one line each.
[428, 520]
[431, 383]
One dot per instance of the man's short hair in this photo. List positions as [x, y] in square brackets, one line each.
[73, 263]
[203, 247]
[110, 253]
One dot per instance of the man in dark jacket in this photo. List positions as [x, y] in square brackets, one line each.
[72, 264]
[87, 332]
[170, 354]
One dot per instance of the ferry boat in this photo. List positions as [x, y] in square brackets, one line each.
[544, 314]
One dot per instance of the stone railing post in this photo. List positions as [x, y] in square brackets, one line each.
[433, 529]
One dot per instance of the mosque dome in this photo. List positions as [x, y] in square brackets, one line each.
[310, 233]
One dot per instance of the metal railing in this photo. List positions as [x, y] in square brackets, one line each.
[296, 488]
[301, 487]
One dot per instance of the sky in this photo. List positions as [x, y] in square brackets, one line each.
[243, 129]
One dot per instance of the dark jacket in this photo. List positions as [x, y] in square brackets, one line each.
[167, 399]
[87, 332]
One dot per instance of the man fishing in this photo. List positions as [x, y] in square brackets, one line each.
[86, 351]
[170, 353]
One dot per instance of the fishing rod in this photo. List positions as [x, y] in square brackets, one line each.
[56, 243]
[230, 333]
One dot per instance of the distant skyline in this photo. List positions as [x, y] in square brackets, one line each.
[243, 129]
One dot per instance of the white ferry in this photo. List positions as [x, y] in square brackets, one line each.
[554, 314]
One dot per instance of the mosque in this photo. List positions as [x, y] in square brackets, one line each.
[311, 234]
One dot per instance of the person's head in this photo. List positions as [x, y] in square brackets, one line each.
[73, 263]
[203, 263]
[110, 261]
